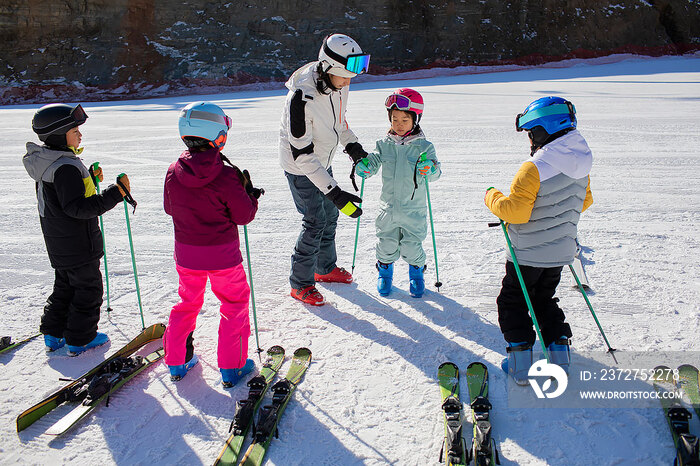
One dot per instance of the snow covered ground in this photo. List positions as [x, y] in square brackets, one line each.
[370, 396]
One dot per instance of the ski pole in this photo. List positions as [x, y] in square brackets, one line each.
[357, 229]
[438, 284]
[131, 200]
[252, 292]
[522, 285]
[94, 167]
[590, 307]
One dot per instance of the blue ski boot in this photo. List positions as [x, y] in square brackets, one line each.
[416, 283]
[53, 343]
[559, 353]
[230, 377]
[178, 372]
[386, 274]
[99, 340]
[518, 362]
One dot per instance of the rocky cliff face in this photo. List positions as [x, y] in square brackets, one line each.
[135, 46]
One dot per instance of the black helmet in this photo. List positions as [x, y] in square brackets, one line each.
[52, 122]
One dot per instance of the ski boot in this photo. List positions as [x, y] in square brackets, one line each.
[53, 343]
[386, 273]
[230, 377]
[178, 372]
[337, 275]
[559, 353]
[518, 362]
[308, 295]
[99, 340]
[416, 282]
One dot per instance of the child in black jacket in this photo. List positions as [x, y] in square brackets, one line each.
[68, 211]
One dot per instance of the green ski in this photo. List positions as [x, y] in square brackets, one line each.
[99, 388]
[6, 343]
[246, 409]
[269, 415]
[454, 448]
[687, 445]
[689, 380]
[36, 412]
[484, 452]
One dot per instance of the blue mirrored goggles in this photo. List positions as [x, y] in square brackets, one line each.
[358, 64]
[557, 109]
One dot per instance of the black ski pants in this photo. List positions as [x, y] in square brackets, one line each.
[513, 315]
[73, 309]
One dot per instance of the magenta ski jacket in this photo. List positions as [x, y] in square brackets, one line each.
[207, 201]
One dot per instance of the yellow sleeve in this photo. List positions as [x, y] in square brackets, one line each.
[589, 196]
[517, 207]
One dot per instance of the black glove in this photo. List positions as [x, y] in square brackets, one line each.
[355, 151]
[345, 202]
[255, 192]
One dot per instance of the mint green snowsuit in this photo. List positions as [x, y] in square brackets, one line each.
[402, 221]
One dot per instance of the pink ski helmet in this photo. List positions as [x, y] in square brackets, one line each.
[407, 100]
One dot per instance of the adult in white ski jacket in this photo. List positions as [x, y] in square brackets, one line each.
[313, 125]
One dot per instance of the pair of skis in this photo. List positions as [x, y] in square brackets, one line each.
[670, 385]
[454, 450]
[269, 415]
[95, 386]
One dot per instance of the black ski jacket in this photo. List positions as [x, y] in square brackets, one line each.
[68, 205]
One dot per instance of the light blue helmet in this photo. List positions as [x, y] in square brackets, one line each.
[553, 114]
[204, 120]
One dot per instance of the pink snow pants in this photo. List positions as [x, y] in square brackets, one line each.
[231, 288]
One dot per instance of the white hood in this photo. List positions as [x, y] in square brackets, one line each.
[568, 154]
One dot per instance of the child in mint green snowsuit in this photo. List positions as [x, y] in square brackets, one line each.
[407, 160]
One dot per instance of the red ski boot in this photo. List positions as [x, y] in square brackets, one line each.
[309, 295]
[337, 275]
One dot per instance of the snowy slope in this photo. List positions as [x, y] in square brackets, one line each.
[370, 395]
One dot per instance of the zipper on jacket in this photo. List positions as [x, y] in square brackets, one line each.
[337, 136]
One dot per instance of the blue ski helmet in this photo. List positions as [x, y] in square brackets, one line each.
[205, 120]
[553, 114]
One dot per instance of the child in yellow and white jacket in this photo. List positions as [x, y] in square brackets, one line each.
[547, 196]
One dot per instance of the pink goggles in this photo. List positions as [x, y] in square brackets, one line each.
[401, 102]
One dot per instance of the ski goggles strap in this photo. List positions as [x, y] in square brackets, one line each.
[556, 109]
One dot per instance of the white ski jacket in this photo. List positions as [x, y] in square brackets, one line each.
[312, 126]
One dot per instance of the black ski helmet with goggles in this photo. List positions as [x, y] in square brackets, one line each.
[52, 122]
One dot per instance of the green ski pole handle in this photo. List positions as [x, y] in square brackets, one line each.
[438, 283]
[94, 167]
[523, 287]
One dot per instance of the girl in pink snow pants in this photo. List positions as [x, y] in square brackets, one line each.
[207, 201]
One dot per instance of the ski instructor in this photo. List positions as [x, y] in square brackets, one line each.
[312, 126]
